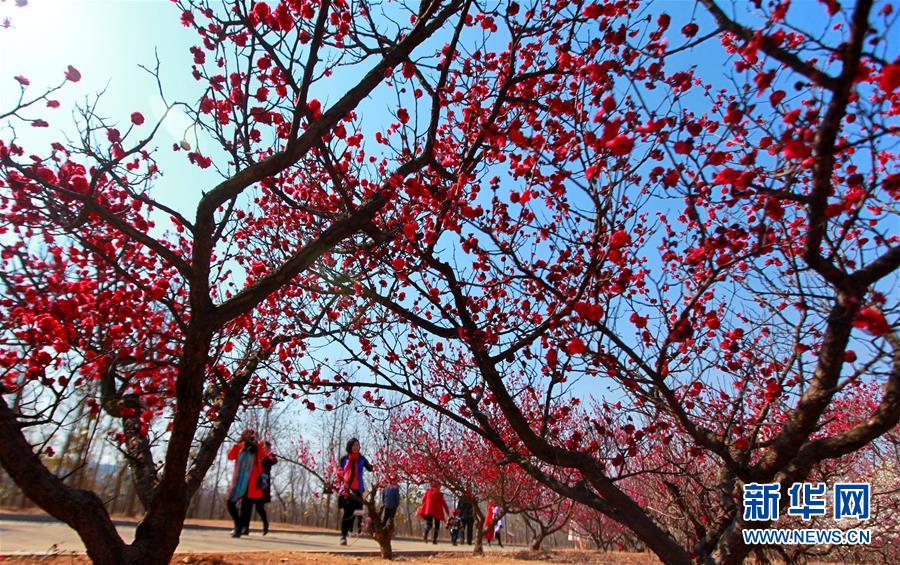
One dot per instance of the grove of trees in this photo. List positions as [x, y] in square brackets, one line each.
[592, 260]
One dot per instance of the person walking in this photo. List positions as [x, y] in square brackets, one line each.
[247, 456]
[491, 521]
[264, 482]
[453, 524]
[466, 519]
[390, 498]
[497, 530]
[352, 485]
[434, 508]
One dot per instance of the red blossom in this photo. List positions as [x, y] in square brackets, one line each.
[639, 322]
[409, 231]
[315, 108]
[79, 184]
[72, 74]
[872, 320]
[690, 30]
[682, 331]
[620, 145]
[619, 239]
[592, 11]
[684, 147]
[575, 346]
[590, 312]
[797, 150]
[889, 79]
[261, 10]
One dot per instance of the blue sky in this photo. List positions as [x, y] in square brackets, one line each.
[106, 41]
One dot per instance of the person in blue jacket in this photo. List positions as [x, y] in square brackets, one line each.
[390, 497]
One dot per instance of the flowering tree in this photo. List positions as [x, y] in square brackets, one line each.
[768, 200]
[424, 447]
[107, 286]
[548, 516]
[331, 480]
[590, 526]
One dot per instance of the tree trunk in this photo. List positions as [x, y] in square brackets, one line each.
[132, 500]
[731, 549]
[536, 541]
[328, 513]
[381, 533]
[479, 530]
[117, 489]
[384, 542]
[82, 510]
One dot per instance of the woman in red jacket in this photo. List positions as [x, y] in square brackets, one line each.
[247, 456]
[434, 508]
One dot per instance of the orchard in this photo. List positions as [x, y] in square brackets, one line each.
[600, 265]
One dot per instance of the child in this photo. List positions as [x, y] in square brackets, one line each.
[453, 524]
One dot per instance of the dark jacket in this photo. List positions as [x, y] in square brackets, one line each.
[390, 496]
[465, 509]
[267, 464]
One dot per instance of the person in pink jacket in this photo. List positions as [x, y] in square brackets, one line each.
[433, 509]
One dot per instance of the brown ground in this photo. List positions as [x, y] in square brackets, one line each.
[291, 557]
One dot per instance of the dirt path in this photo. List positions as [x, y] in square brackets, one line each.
[30, 539]
[39, 534]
